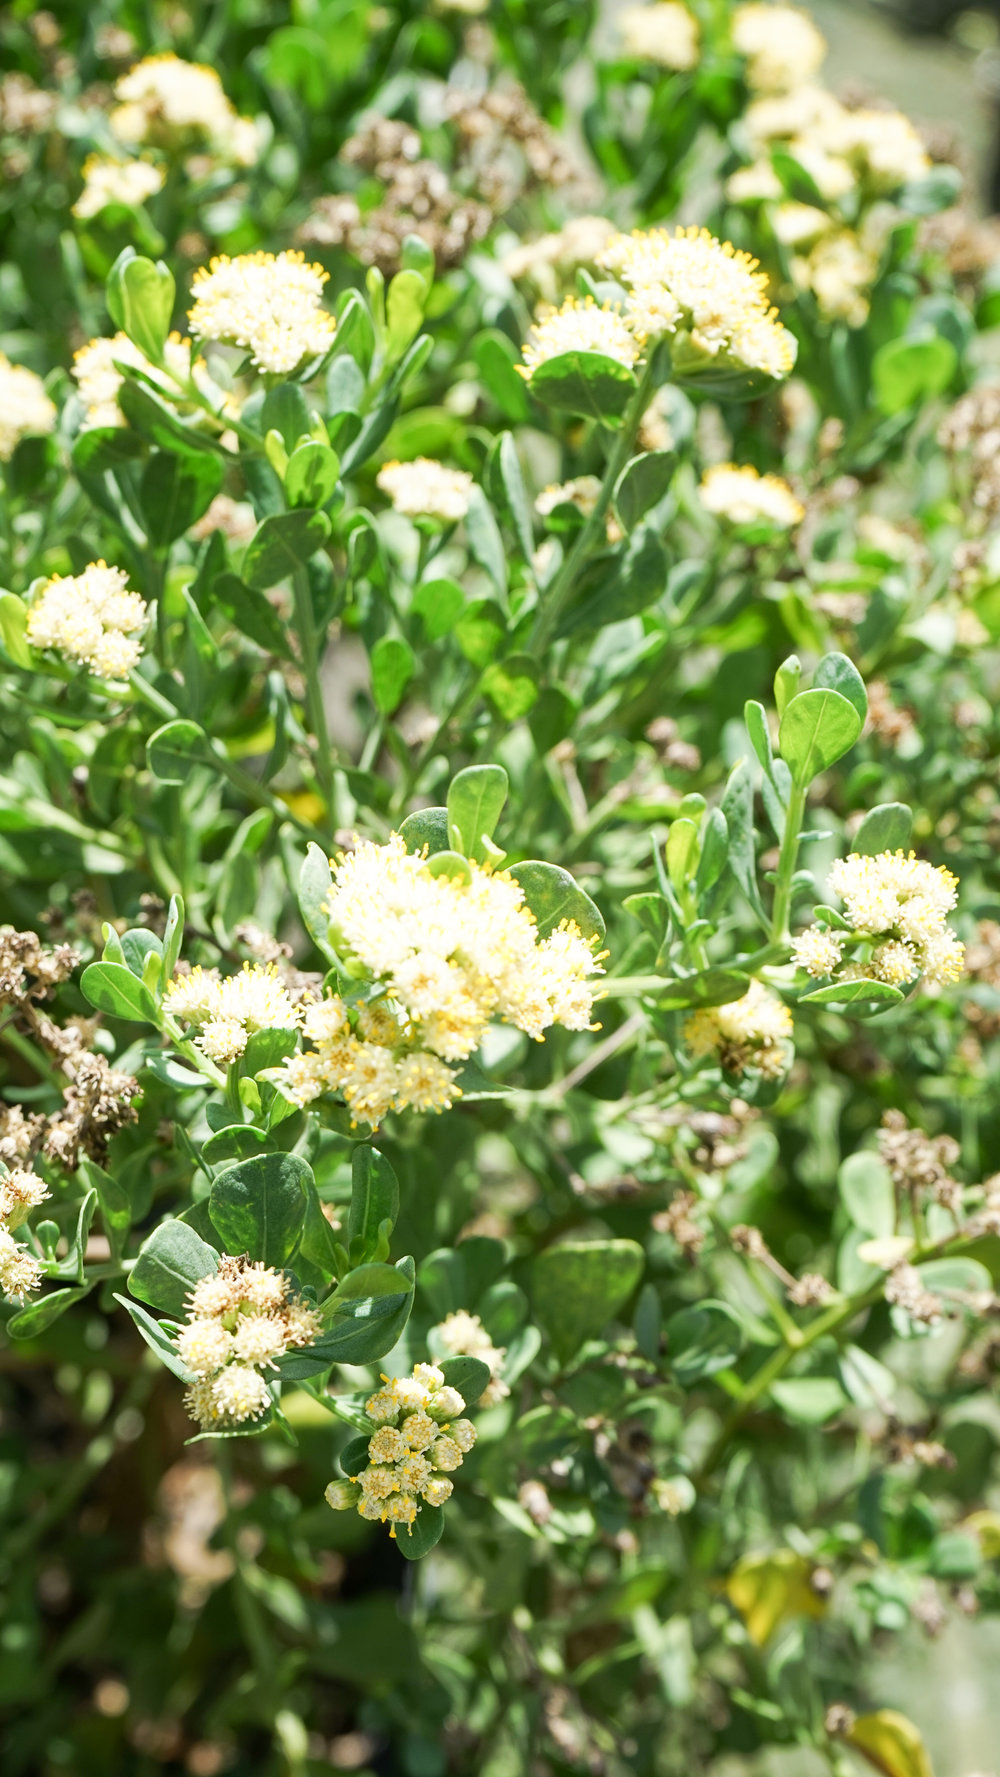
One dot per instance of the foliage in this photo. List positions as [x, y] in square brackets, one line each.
[712, 1270]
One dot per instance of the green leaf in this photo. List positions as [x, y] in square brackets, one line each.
[175, 490]
[315, 885]
[809, 1400]
[643, 484]
[681, 851]
[285, 410]
[169, 1264]
[648, 1322]
[354, 1455]
[496, 358]
[711, 987]
[817, 728]
[364, 1318]
[13, 620]
[113, 988]
[512, 686]
[876, 994]
[374, 1202]
[907, 372]
[586, 383]
[485, 541]
[836, 673]
[173, 935]
[553, 896]
[417, 1539]
[140, 297]
[312, 475]
[516, 499]
[426, 826]
[866, 1191]
[737, 806]
[405, 302]
[476, 798]
[153, 419]
[115, 1205]
[259, 1206]
[253, 615]
[577, 1287]
[458, 1276]
[157, 1338]
[958, 1276]
[481, 631]
[36, 1317]
[468, 1374]
[890, 1743]
[438, 604]
[283, 543]
[702, 1340]
[392, 665]
[450, 863]
[886, 827]
[174, 749]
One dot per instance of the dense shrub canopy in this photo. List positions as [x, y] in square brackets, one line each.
[500, 956]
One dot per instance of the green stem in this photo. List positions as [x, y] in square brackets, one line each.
[786, 864]
[556, 595]
[241, 780]
[315, 708]
[830, 1321]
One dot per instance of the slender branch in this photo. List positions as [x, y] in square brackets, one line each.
[786, 864]
[556, 595]
[315, 707]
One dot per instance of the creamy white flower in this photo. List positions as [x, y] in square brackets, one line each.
[583, 492]
[222, 1039]
[268, 304]
[99, 379]
[228, 1011]
[743, 496]
[89, 618]
[692, 283]
[19, 1272]
[749, 1032]
[897, 904]
[577, 243]
[580, 326]
[203, 1346]
[406, 1449]
[25, 409]
[817, 951]
[243, 1317]
[424, 488]
[463, 1335]
[662, 32]
[181, 106]
[781, 43]
[106, 181]
[20, 1193]
[840, 272]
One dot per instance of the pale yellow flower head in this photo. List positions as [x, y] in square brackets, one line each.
[181, 106]
[749, 1032]
[408, 1450]
[662, 32]
[782, 46]
[91, 619]
[742, 496]
[424, 488]
[268, 304]
[107, 181]
[25, 409]
[580, 325]
[709, 294]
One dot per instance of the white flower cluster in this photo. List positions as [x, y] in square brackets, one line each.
[709, 295]
[750, 1032]
[463, 1335]
[227, 1011]
[424, 488]
[91, 618]
[107, 181]
[782, 46]
[269, 304]
[243, 1317]
[896, 906]
[663, 32]
[444, 955]
[20, 1193]
[577, 243]
[742, 496]
[25, 409]
[99, 379]
[420, 1439]
[181, 107]
[580, 325]
[583, 492]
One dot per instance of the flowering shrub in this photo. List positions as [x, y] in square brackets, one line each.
[500, 959]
